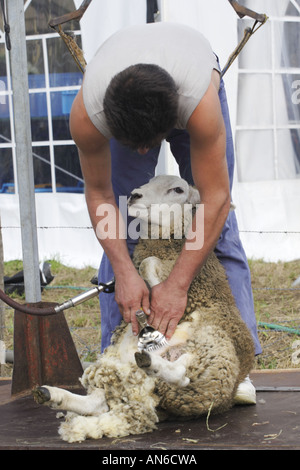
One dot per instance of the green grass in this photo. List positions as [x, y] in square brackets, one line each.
[272, 305]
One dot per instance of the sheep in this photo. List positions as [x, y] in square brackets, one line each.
[297, 282]
[129, 391]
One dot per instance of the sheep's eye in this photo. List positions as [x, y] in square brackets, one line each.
[178, 190]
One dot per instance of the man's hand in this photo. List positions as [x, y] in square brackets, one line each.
[168, 303]
[131, 294]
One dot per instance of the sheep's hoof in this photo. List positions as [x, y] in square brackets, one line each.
[142, 359]
[41, 395]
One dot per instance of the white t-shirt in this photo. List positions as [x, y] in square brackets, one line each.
[180, 50]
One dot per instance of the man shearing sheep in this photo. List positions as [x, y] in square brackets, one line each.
[145, 84]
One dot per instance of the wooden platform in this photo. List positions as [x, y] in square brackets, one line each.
[273, 423]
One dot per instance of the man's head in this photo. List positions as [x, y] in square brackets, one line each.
[140, 106]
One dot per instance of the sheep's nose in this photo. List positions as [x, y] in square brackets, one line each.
[134, 197]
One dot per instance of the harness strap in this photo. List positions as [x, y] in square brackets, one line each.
[69, 40]
[248, 32]
[243, 11]
[78, 55]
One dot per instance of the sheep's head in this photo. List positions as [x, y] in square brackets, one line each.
[165, 202]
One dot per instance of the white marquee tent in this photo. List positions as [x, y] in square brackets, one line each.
[262, 89]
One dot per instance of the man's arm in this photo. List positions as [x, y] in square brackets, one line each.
[209, 169]
[131, 292]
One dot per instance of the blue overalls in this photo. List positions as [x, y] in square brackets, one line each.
[129, 171]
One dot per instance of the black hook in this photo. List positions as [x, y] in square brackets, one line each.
[6, 28]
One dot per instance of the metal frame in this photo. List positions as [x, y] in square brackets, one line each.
[51, 143]
[15, 13]
[274, 73]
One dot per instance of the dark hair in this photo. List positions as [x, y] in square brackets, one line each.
[140, 105]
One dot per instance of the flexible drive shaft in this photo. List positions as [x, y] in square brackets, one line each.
[30, 310]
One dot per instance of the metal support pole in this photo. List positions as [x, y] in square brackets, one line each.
[18, 63]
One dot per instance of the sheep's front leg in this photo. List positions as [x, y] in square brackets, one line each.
[153, 270]
[93, 404]
[171, 372]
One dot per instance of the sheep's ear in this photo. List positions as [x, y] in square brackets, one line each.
[194, 196]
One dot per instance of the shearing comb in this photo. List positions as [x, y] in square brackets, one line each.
[149, 338]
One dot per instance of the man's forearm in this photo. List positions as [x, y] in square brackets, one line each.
[110, 230]
[200, 243]
[131, 292]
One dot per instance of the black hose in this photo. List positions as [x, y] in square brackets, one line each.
[27, 308]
